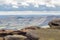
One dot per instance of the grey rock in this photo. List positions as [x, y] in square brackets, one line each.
[55, 23]
[32, 35]
[15, 37]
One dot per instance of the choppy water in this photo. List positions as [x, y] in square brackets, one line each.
[21, 21]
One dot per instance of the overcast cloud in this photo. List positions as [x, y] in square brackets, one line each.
[36, 3]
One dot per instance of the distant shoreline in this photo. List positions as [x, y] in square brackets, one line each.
[29, 12]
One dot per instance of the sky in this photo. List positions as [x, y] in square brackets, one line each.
[29, 5]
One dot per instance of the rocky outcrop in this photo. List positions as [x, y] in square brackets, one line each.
[32, 35]
[15, 37]
[54, 24]
[18, 35]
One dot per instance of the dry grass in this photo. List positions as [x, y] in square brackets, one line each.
[49, 34]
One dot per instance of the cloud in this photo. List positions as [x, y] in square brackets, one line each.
[24, 4]
[36, 3]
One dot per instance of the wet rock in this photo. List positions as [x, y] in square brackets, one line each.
[54, 24]
[15, 37]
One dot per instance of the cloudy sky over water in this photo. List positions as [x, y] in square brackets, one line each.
[28, 13]
[30, 5]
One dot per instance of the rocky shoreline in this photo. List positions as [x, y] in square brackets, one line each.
[23, 34]
[27, 33]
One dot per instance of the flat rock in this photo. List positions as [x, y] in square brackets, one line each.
[15, 37]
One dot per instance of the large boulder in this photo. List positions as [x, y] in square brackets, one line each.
[32, 35]
[55, 23]
[15, 37]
